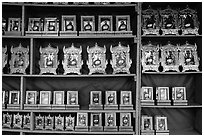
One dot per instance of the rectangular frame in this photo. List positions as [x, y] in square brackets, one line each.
[11, 99]
[100, 20]
[39, 126]
[174, 93]
[145, 118]
[69, 98]
[7, 124]
[69, 123]
[33, 97]
[92, 18]
[122, 93]
[31, 23]
[56, 101]
[85, 117]
[56, 24]
[48, 97]
[71, 18]
[17, 121]
[123, 17]
[59, 122]
[157, 119]
[92, 97]
[159, 93]
[149, 93]
[10, 24]
[113, 95]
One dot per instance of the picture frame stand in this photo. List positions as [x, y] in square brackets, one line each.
[30, 106]
[162, 132]
[57, 106]
[13, 106]
[163, 102]
[44, 106]
[70, 107]
[147, 132]
[147, 102]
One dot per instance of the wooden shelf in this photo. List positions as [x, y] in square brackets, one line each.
[63, 132]
[188, 106]
[170, 36]
[175, 73]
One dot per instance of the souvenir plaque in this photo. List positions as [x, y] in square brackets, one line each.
[69, 123]
[121, 61]
[31, 100]
[150, 22]
[95, 100]
[68, 26]
[179, 96]
[39, 122]
[162, 96]
[147, 96]
[97, 59]
[3, 99]
[169, 21]
[188, 57]
[82, 122]
[58, 100]
[17, 121]
[87, 25]
[35, 27]
[7, 120]
[96, 122]
[19, 59]
[125, 122]
[45, 99]
[169, 57]
[72, 100]
[189, 21]
[150, 57]
[51, 27]
[161, 125]
[110, 122]
[147, 125]
[48, 60]
[72, 62]
[3, 26]
[126, 100]
[105, 25]
[14, 100]
[4, 57]
[111, 100]
[26, 121]
[49, 122]
[123, 25]
[14, 27]
[59, 122]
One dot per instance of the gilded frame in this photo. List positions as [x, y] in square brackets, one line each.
[11, 99]
[149, 121]
[82, 119]
[46, 93]
[57, 96]
[162, 93]
[147, 93]
[34, 97]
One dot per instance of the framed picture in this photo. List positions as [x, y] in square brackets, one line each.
[51, 24]
[31, 97]
[72, 97]
[161, 123]
[121, 61]
[147, 123]
[19, 59]
[150, 57]
[147, 93]
[7, 120]
[49, 122]
[96, 122]
[188, 57]
[105, 23]
[162, 93]
[125, 119]
[39, 122]
[111, 98]
[35, 24]
[110, 119]
[82, 119]
[58, 98]
[179, 93]
[96, 59]
[69, 123]
[95, 98]
[72, 62]
[169, 57]
[4, 56]
[45, 97]
[3, 97]
[17, 121]
[59, 122]
[123, 23]
[68, 23]
[48, 60]
[26, 121]
[87, 23]
[126, 98]
[4, 24]
[14, 97]
[14, 24]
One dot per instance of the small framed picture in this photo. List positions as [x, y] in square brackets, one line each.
[59, 122]
[26, 121]
[14, 24]
[58, 98]
[49, 122]
[68, 23]
[162, 93]
[39, 122]
[3, 96]
[31, 97]
[126, 97]
[111, 98]
[45, 97]
[69, 123]
[105, 23]
[95, 98]
[147, 93]
[7, 120]
[14, 97]
[4, 24]
[87, 23]
[147, 123]
[82, 119]
[96, 119]
[123, 23]
[110, 119]
[72, 97]
[179, 93]
[34, 24]
[51, 24]
[161, 123]
[125, 119]
[17, 121]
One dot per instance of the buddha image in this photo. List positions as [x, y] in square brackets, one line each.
[149, 58]
[82, 120]
[51, 26]
[88, 25]
[36, 26]
[95, 120]
[169, 22]
[188, 22]
[147, 94]
[170, 58]
[147, 124]
[180, 94]
[150, 22]
[111, 98]
[19, 60]
[161, 124]
[49, 60]
[69, 25]
[31, 98]
[95, 98]
[163, 92]
[14, 98]
[96, 58]
[189, 58]
[126, 99]
[15, 26]
[45, 98]
[72, 59]
[122, 25]
[125, 120]
[105, 25]
[120, 59]
[72, 98]
[110, 120]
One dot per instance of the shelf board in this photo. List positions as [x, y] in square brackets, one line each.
[71, 76]
[170, 36]
[67, 111]
[188, 106]
[73, 37]
[176, 73]
[62, 132]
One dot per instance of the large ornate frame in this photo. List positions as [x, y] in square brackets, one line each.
[192, 50]
[165, 15]
[17, 121]
[19, 55]
[169, 57]
[48, 54]
[150, 52]
[149, 15]
[96, 54]
[72, 55]
[182, 17]
[120, 54]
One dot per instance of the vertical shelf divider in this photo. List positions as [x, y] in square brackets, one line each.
[23, 21]
[22, 92]
[31, 56]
